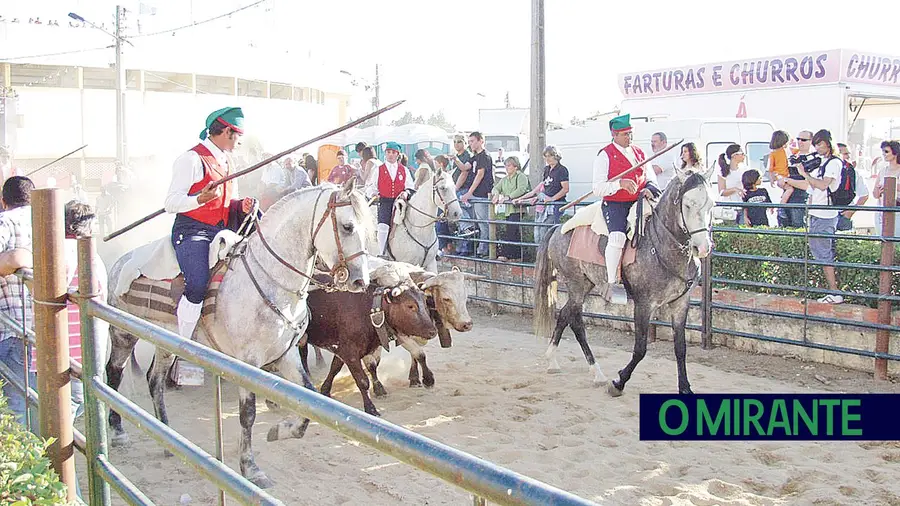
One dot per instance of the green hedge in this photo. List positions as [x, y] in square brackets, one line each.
[26, 477]
[848, 250]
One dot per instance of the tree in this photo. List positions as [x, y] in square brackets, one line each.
[436, 119]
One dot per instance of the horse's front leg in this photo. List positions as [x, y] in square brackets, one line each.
[292, 370]
[642, 312]
[679, 309]
[249, 469]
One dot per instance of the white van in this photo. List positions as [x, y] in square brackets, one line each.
[579, 145]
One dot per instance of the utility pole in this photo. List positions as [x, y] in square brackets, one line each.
[121, 143]
[377, 96]
[538, 94]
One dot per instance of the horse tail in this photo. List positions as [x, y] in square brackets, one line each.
[545, 287]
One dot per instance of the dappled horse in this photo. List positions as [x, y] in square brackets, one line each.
[259, 309]
[664, 268]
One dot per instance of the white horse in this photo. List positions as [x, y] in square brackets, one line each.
[260, 311]
[413, 237]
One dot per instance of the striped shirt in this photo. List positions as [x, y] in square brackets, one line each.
[15, 232]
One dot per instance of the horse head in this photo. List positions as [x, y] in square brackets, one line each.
[696, 200]
[445, 195]
[342, 230]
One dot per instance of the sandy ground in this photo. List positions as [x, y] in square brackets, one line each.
[494, 399]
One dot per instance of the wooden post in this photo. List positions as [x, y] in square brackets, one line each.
[882, 337]
[492, 254]
[51, 332]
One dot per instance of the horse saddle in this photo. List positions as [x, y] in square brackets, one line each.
[149, 295]
[590, 233]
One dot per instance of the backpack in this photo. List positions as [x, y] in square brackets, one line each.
[846, 192]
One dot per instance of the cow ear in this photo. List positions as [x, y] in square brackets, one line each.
[473, 277]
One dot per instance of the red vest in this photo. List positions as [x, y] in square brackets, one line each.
[390, 188]
[216, 210]
[618, 164]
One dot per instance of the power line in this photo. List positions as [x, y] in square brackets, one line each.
[55, 54]
[198, 23]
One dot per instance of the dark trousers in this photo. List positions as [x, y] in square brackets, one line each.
[191, 240]
[511, 233]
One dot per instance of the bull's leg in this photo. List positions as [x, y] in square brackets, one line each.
[371, 362]
[418, 359]
[427, 375]
[336, 365]
[414, 372]
[249, 469]
[122, 346]
[362, 383]
[320, 360]
[292, 370]
[642, 312]
[156, 378]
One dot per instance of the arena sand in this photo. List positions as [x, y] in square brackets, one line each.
[494, 399]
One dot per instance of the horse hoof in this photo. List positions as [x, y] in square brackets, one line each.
[429, 382]
[599, 382]
[262, 481]
[379, 391]
[613, 390]
[119, 439]
[374, 412]
[415, 384]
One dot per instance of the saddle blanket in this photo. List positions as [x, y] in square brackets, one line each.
[157, 299]
[585, 246]
[587, 227]
[156, 260]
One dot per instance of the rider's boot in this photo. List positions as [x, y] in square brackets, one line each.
[615, 291]
[383, 231]
[184, 372]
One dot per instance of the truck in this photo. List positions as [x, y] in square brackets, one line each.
[841, 90]
[505, 134]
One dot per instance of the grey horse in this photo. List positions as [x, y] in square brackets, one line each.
[261, 308]
[665, 268]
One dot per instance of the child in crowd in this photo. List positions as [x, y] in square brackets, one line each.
[755, 216]
[778, 163]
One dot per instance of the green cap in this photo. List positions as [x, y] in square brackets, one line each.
[393, 145]
[228, 116]
[620, 123]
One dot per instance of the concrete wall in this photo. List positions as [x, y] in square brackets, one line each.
[785, 328]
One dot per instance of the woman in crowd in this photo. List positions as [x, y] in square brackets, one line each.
[731, 188]
[553, 188]
[510, 188]
[890, 168]
[690, 158]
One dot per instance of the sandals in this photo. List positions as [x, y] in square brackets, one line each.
[831, 299]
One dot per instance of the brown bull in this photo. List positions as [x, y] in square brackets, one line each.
[346, 324]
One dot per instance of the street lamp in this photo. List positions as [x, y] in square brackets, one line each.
[121, 143]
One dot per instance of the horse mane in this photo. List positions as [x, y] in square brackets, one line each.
[358, 203]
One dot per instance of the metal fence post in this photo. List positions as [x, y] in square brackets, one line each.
[706, 302]
[93, 355]
[882, 337]
[51, 333]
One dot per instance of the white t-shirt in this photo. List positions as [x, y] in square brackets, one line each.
[668, 162]
[732, 181]
[820, 197]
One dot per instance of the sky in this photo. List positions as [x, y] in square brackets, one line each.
[442, 55]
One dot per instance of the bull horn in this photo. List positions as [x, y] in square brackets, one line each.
[474, 277]
[455, 269]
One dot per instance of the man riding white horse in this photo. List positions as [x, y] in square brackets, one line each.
[389, 182]
[619, 196]
[201, 210]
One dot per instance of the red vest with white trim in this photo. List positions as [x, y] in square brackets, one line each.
[619, 163]
[216, 210]
[390, 188]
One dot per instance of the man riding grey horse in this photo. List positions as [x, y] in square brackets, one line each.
[202, 210]
[619, 196]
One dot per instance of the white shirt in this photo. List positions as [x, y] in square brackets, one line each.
[669, 163]
[602, 186]
[186, 172]
[732, 181]
[820, 197]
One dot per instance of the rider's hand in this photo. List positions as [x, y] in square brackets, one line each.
[209, 193]
[628, 185]
[247, 204]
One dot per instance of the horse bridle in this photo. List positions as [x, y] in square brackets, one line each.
[682, 246]
[340, 273]
[435, 195]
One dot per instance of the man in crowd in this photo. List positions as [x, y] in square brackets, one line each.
[795, 218]
[482, 184]
[463, 175]
[664, 166]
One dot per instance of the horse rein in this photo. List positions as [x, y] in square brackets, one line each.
[435, 195]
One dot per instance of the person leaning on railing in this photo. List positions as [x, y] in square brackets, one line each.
[511, 187]
[554, 188]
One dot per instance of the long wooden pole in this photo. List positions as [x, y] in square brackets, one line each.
[51, 332]
[263, 163]
[42, 167]
[620, 176]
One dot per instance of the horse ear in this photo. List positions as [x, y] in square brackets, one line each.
[710, 172]
[422, 175]
[349, 186]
